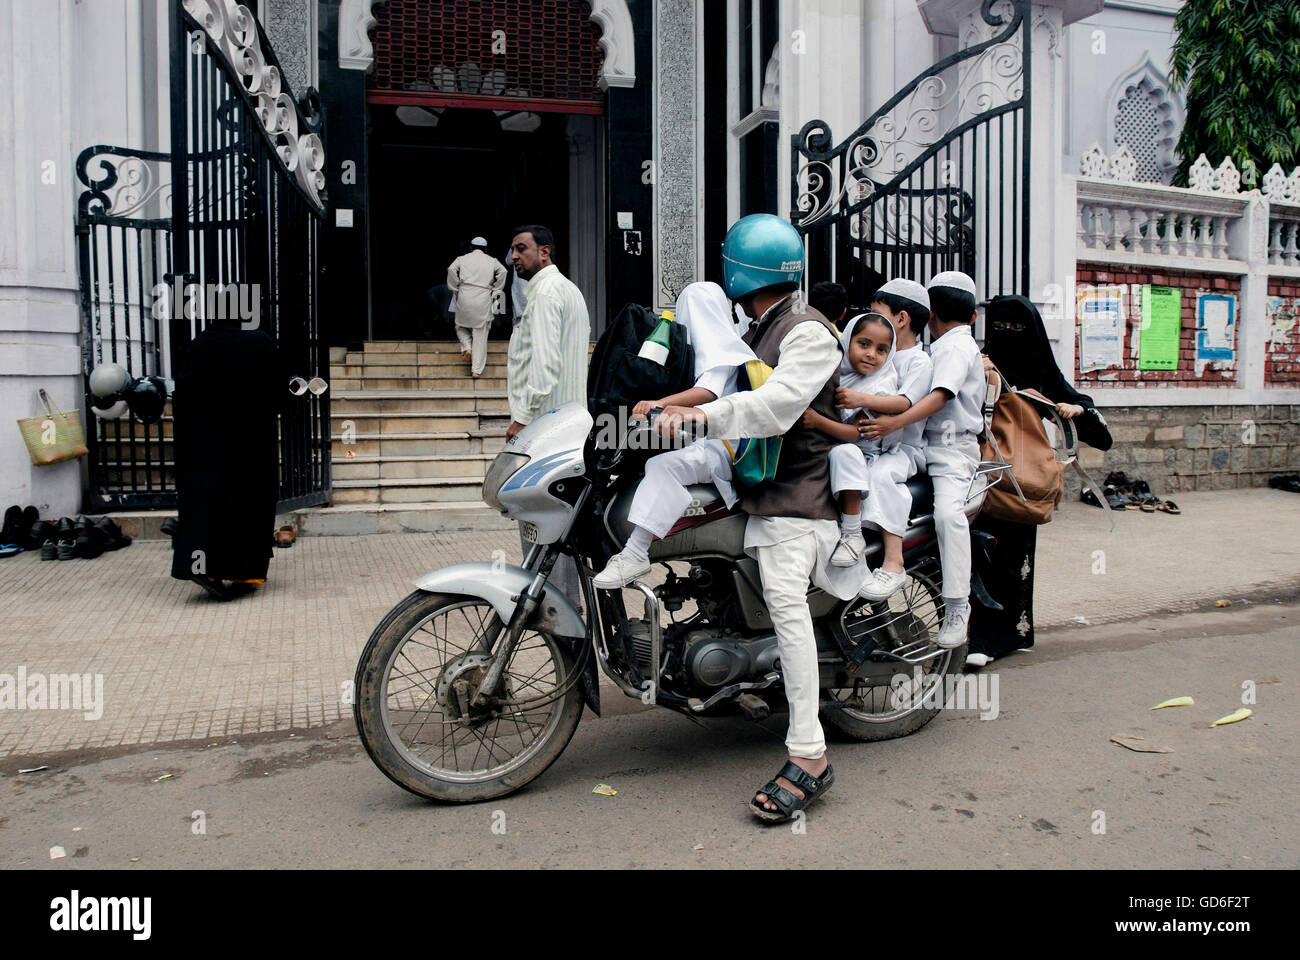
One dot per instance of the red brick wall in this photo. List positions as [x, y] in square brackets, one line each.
[1191, 283]
[1282, 354]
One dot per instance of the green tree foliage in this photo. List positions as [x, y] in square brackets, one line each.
[1239, 63]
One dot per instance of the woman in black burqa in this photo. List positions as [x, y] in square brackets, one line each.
[229, 391]
[1016, 342]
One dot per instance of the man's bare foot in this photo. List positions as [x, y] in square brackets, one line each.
[814, 767]
[466, 356]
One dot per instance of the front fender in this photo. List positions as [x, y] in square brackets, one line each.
[501, 585]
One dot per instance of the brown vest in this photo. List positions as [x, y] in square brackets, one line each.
[802, 485]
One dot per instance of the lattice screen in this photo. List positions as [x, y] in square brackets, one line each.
[1137, 123]
[534, 49]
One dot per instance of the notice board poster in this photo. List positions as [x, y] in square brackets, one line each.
[1216, 318]
[1101, 327]
[1162, 323]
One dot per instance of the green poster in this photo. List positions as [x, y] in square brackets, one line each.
[1162, 325]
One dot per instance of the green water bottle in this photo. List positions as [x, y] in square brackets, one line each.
[655, 347]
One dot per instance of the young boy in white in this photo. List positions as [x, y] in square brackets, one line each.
[706, 313]
[954, 408]
[907, 305]
[866, 374]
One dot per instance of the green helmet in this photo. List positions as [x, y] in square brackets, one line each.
[760, 251]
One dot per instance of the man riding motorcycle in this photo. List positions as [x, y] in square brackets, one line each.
[792, 526]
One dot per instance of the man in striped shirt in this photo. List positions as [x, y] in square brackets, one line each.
[547, 362]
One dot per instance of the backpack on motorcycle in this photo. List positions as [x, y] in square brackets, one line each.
[619, 379]
[1014, 432]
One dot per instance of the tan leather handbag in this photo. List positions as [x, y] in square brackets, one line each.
[1014, 432]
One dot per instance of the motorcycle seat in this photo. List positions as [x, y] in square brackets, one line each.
[706, 503]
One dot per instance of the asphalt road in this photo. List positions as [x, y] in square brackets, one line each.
[1041, 785]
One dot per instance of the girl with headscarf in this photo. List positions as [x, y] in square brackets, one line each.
[1016, 343]
[866, 367]
[706, 314]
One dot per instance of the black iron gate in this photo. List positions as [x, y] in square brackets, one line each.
[245, 172]
[936, 179]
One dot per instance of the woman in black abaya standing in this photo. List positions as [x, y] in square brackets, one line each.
[229, 391]
[1016, 342]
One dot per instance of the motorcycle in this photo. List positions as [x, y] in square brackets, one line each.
[473, 685]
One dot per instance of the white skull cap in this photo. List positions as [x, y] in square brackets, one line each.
[910, 289]
[478, 242]
[952, 278]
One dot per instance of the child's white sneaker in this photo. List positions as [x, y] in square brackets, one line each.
[978, 659]
[953, 632]
[619, 572]
[881, 584]
[849, 550]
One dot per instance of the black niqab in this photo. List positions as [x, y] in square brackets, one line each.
[1016, 341]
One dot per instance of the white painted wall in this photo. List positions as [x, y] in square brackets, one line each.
[38, 276]
[1131, 32]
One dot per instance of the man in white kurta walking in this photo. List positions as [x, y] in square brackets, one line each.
[547, 361]
[476, 279]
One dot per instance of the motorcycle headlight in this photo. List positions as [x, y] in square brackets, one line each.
[503, 468]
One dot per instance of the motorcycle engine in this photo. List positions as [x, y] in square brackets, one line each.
[713, 661]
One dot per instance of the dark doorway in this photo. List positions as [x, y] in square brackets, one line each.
[440, 177]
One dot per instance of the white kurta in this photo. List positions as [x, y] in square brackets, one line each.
[547, 361]
[808, 356]
[474, 278]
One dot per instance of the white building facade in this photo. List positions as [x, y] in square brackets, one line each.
[681, 118]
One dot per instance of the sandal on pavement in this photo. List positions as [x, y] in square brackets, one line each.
[1168, 506]
[285, 536]
[786, 802]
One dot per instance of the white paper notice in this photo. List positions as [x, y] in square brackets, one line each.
[1101, 320]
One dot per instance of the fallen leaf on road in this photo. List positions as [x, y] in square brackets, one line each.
[165, 776]
[1223, 603]
[698, 846]
[1175, 702]
[1081, 620]
[1220, 803]
[1233, 717]
[135, 859]
[605, 790]
[57, 853]
[1138, 744]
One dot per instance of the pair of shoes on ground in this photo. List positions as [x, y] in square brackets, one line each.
[16, 534]
[81, 539]
[1288, 481]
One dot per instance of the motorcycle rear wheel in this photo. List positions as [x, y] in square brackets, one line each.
[414, 681]
[897, 710]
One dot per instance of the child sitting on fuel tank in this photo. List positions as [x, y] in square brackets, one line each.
[661, 499]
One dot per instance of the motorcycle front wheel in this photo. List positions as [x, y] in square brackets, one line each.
[415, 683]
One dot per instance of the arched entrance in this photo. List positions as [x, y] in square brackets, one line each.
[482, 114]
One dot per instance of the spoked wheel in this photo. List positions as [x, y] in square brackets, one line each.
[416, 684]
[895, 698]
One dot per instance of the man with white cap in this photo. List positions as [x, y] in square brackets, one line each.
[476, 279]
[954, 408]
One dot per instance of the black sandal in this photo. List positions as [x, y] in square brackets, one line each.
[786, 802]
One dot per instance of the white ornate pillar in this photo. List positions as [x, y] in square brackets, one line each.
[39, 316]
[675, 173]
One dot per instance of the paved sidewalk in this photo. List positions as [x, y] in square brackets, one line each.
[178, 665]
